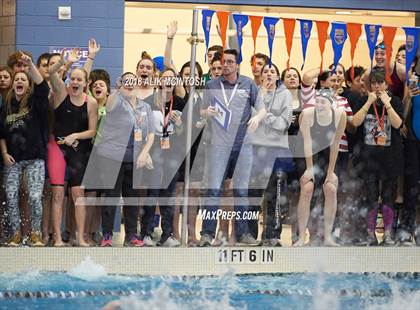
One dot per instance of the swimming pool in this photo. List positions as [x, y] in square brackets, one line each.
[88, 286]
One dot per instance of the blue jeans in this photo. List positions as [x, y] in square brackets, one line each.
[221, 158]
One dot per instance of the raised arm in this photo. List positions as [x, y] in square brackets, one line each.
[93, 50]
[57, 84]
[33, 70]
[309, 76]
[170, 35]
[400, 71]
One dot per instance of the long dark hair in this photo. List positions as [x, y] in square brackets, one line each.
[23, 104]
[323, 77]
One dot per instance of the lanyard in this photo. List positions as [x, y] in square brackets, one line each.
[381, 120]
[137, 119]
[231, 95]
[166, 118]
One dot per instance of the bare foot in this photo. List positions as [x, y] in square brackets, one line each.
[59, 243]
[82, 243]
[330, 242]
[299, 243]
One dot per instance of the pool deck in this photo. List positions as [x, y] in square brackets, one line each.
[214, 260]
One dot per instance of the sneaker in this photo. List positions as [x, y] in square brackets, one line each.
[271, 242]
[148, 241]
[171, 242]
[388, 241]
[247, 239]
[134, 242]
[205, 240]
[106, 241]
[97, 237]
[220, 240]
[371, 240]
[156, 234]
[15, 240]
[35, 240]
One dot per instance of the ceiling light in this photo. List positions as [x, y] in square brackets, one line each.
[343, 13]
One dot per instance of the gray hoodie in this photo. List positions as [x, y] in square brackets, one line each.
[272, 130]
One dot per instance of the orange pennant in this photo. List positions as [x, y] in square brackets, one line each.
[289, 29]
[389, 35]
[354, 31]
[255, 26]
[223, 18]
[322, 29]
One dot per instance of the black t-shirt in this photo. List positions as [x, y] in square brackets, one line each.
[385, 159]
[24, 131]
[354, 100]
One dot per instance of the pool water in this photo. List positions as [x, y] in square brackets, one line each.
[91, 288]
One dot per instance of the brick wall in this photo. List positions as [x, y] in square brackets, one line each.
[38, 28]
[7, 29]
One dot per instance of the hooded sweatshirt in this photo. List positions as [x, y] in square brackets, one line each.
[272, 130]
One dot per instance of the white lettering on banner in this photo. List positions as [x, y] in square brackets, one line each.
[244, 256]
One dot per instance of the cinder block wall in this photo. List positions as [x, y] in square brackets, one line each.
[7, 29]
[38, 28]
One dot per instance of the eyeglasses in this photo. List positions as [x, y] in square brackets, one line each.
[229, 62]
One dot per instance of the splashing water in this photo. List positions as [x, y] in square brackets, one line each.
[163, 298]
[87, 270]
[12, 280]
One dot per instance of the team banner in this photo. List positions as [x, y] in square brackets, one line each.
[372, 32]
[411, 45]
[207, 16]
[240, 21]
[338, 36]
[255, 26]
[354, 32]
[270, 26]
[305, 35]
[322, 29]
[223, 18]
[389, 35]
[289, 30]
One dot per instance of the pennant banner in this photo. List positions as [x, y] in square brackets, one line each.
[240, 21]
[305, 34]
[223, 18]
[372, 32]
[322, 29]
[389, 35]
[207, 16]
[270, 26]
[255, 26]
[354, 31]
[411, 46]
[289, 30]
[338, 36]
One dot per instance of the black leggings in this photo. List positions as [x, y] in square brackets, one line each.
[124, 186]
